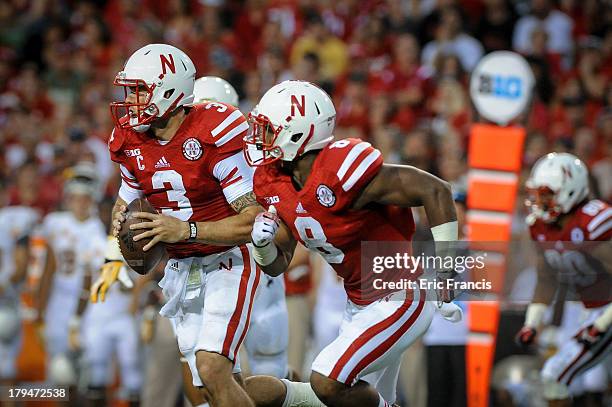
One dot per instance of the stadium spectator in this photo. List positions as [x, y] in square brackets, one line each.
[450, 38]
[496, 25]
[557, 25]
[332, 51]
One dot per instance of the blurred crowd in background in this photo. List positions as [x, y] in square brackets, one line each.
[397, 70]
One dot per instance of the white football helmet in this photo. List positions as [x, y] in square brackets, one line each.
[558, 182]
[292, 118]
[167, 76]
[83, 179]
[214, 89]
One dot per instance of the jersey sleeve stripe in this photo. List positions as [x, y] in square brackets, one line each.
[128, 194]
[126, 173]
[601, 230]
[351, 157]
[131, 183]
[599, 219]
[231, 178]
[242, 127]
[235, 115]
[360, 170]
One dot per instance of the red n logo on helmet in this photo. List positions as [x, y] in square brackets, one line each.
[169, 62]
[300, 105]
[566, 173]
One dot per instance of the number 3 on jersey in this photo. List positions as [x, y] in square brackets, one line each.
[176, 194]
[311, 233]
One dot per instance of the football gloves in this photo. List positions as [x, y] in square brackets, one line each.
[110, 272]
[113, 269]
[450, 311]
[265, 227]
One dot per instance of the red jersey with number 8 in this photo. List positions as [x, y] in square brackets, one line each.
[194, 176]
[320, 215]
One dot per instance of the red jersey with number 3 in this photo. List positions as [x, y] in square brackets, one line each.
[590, 222]
[194, 176]
[321, 217]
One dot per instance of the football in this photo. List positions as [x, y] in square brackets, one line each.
[140, 261]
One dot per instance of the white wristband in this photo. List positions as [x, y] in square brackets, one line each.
[446, 232]
[112, 252]
[265, 255]
[603, 321]
[535, 314]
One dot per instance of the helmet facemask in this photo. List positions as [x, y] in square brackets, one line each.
[557, 184]
[541, 203]
[259, 142]
[140, 112]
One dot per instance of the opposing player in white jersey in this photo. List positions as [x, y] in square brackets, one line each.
[268, 336]
[187, 161]
[108, 332]
[16, 223]
[67, 234]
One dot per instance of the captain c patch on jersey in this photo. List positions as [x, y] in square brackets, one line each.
[192, 149]
[326, 196]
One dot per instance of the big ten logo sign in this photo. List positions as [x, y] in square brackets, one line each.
[507, 87]
[501, 86]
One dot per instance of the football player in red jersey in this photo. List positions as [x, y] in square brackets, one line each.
[561, 212]
[331, 196]
[187, 161]
[267, 339]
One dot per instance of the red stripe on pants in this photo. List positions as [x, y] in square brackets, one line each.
[245, 255]
[235, 319]
[386, 345]
[369, 334]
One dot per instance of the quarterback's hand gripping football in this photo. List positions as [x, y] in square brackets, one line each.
[265, 227]
[161, 228]
[118, 219]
